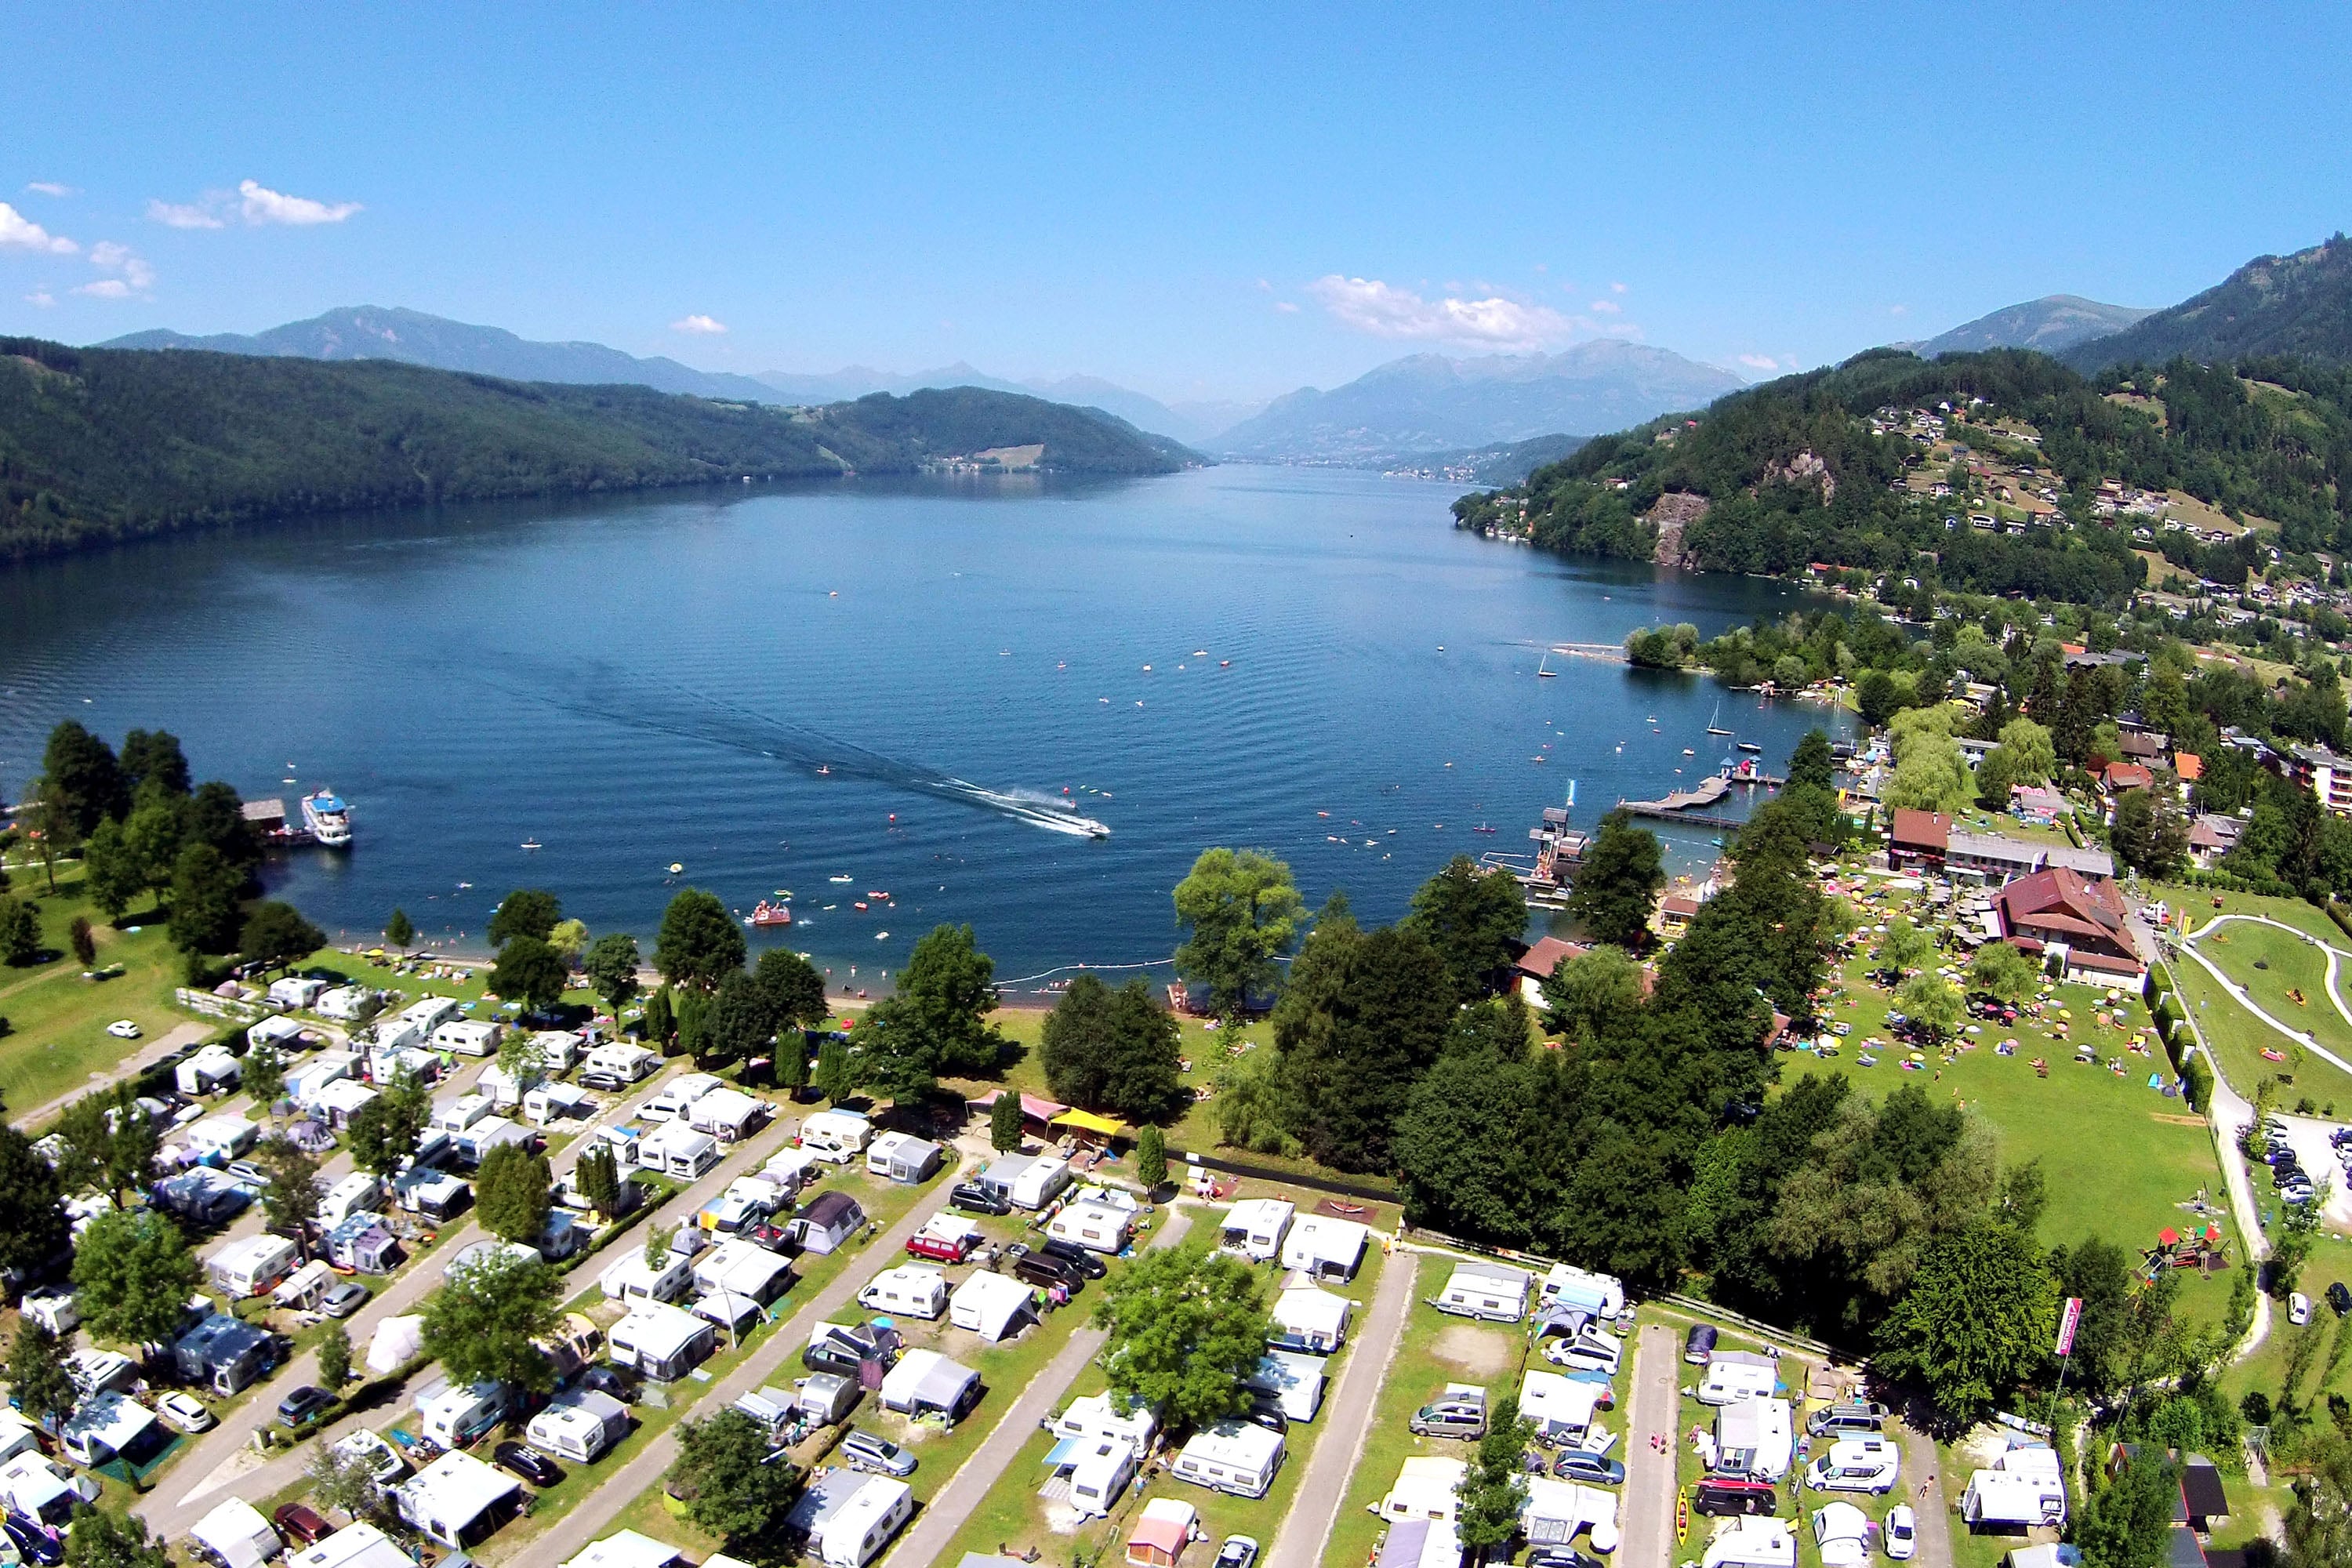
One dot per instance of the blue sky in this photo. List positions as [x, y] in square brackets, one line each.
[1210, 202]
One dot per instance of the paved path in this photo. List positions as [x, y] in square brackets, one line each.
[1346, 1420]
[1655, 1412]
[2230, 1115]
[2238, 993]
[946, 1513]
[616, 1489]
[1922, 1491]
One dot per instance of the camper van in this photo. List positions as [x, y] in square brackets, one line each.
[1254, 1227]
[837, 1137]
[1857, 1465]
[1588, 1348]
[453, 1416]
[910, 1290]
[1490, 1292]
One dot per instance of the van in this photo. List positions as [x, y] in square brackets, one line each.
[1589, 1349]
[1720, 1495]
[1037, 1268]
[1843, 1420]
[1857, 1465]
[1458, 1411]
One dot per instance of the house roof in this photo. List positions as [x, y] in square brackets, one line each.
[1922, 830]
[2189, 765]
[2128, 775]
[2200, 1484]
[1540, 960]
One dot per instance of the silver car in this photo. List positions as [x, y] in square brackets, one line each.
[864, 1451]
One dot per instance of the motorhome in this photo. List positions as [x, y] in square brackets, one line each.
[837, 1137]
[911, 1289]
[1857, 1465]
[1254, 1227]
[1236, 1457]
[1490, 1292]
[903, 1157]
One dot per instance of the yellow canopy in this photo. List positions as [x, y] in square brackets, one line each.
[1087, 1121]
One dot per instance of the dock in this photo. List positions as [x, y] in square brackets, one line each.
[1689, 818]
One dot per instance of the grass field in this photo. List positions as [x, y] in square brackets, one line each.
[2118, 1158]
[57, 1035]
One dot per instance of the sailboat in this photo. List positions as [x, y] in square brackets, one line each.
[1541, 671]
[1715, 725]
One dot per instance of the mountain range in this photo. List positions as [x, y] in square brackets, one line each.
[2051, 325]
[2298, 304]
[414, 337]
[1428, 402]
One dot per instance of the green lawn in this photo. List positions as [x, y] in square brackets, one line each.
[2119, 1157]
[56, 1020]
[2238, 1038]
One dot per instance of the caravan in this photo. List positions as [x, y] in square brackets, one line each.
[1098, 1473]
[1734, 1375]
[1326, 1248]
[847, 1517]
[836, 1136]
[1236, 1457]
[910, 1288]
[903, 1157]
[455, 1415]
[1490, 1292]
[1254, 1227]
[578, 1426]
[1602, 1295]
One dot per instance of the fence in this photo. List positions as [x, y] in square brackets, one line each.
[1289, 1178]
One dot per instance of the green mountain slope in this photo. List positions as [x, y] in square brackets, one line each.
[1827, 468]
[101, 445]
[2299, 304]
[2051, 323]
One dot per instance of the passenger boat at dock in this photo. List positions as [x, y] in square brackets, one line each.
[764, 913]
[328, 818]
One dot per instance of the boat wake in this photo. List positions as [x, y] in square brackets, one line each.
[636, 704]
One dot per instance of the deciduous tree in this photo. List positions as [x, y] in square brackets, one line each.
[1004, 1122]
[1495, 1488]
[1905, 947]
[527, 911]
[700, 944]
[528, 971]
[384, 1131]
[1187, 1327]
[80, 775]
[32, 1228]
[1617, 882]
[795, 989]
[20, 932]
[291, 1195]
[1476, 918]
[101, 1538]
[481, 1324]
[264, 1076]
[204, 890]
[132, 1275]
[278, 937]
[1933, 1003]
[1241, 911]
[935, 1022]
[513, 1193]
[335, 1357]
[1976, 1321]
[612, 969]
[1361, 1023]
[400, 930]
[110, 874]
[1112, 1050]
[2000, 970]
[733, 1492]
[37, 1379]
[1591, 994]
[742, 1021]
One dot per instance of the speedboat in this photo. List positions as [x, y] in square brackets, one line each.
[328, 818]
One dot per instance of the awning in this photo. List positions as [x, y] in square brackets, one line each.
[1064, 1452]
[1087, 1121]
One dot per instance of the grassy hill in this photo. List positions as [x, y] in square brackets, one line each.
[2299, 304]
[102, 445]
[1808, 468]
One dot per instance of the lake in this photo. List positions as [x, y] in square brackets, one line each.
[827, 688]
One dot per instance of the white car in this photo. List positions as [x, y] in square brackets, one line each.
[2298, 1307]
[123, 1029]
[184, 1411]
[1857, 1465]
[1901, 1537]
[381, 1461]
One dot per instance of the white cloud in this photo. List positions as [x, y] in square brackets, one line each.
[700, 325]
[175, 216]
[1605, 307]
[109, 257]
[1384, 310]
[263, 205]
[1898, 310]
[41, 297]
[106, 288]
[1760, 361]
[1287, 307]
[1617, 288]
[18, 232]
[50, 189]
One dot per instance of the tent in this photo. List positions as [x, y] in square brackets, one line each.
[1162, 1533]
[237, 1534]
[398, 1341]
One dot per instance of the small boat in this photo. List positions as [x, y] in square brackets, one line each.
[1750, 746]
[841, 880]
[677, 867]
[764, 913]
[1541, 671]
[872, 894]
[857, 903]
[1199, 653]
[1715, 724]
[532, 844]
[823, 768]
[1224, 664]
[878, 936]
[1482, 827]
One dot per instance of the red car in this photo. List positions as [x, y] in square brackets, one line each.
[939, 1247]
[296, 1522]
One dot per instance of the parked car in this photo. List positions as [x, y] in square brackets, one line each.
[344, 1299]
[861, 1450]
[937, 1248]
[771, 1237]
[1266, 1414]
[1698, 1345]
[2298, 1307]
[1039, 1269]
[302, 1405]
[1452, 1415]
[123, 1029]
[606, 1082]
[33, 1543]
[534, 1466]
[1901, 1537]
[186, 1411]
[2340, 1299]
[973, 1198]
[299, 1521]
[610, 1381]
[248, 1171]
[1085, 1262]
[1576, 1465]
[1561, 1557]
[1238, 1552]
[1837, 1420]
[1723, 1495]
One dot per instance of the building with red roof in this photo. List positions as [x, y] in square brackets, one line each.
[2059, 910]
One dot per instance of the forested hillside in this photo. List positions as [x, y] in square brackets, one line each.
[103, 444]
[2299, 304]
[1831, 466]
